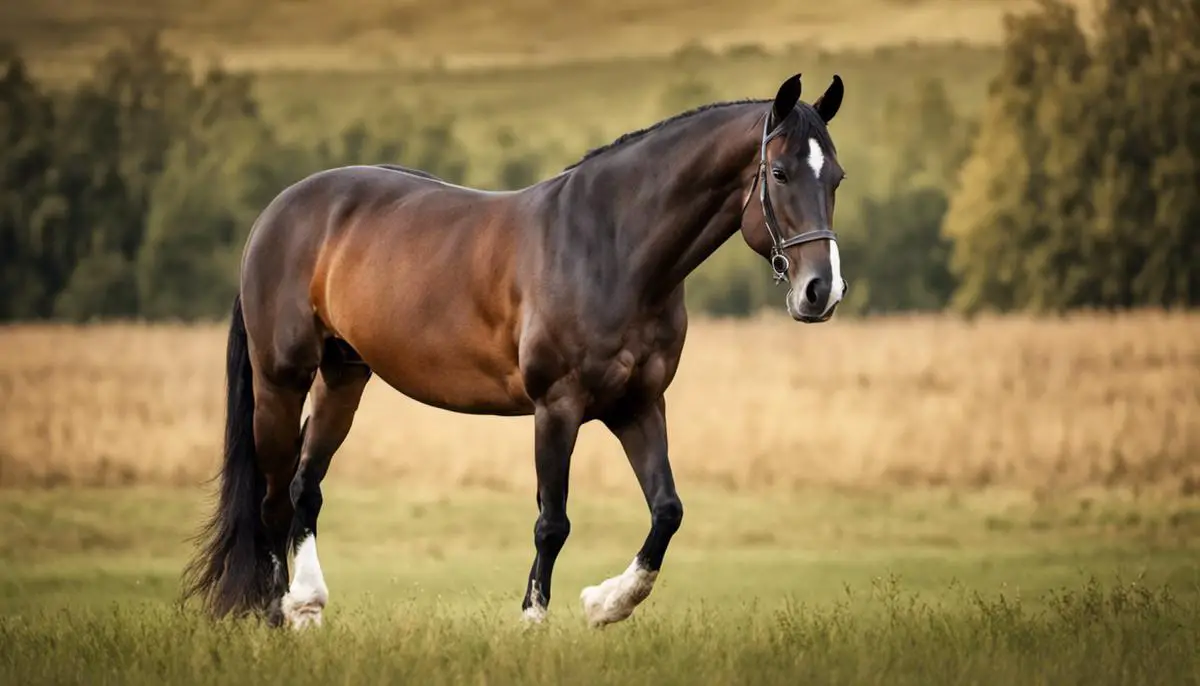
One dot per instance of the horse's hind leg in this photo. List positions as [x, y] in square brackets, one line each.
[279, 402]
[335, 397]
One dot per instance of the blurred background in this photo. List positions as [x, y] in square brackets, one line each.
[1015, 375]
[1001, 153]
[1021, 220]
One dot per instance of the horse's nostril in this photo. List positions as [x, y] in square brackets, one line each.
[810, 291]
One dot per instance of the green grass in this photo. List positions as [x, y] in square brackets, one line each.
[810, 588]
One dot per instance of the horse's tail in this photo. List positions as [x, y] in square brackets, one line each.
[231, 569]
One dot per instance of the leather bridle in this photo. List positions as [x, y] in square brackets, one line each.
[779, 261]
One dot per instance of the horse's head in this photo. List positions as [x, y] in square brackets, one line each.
[796, 181]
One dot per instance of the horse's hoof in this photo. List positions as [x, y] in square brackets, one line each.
[597, 615]
[533, 615]
[302, 613]
[615, 599]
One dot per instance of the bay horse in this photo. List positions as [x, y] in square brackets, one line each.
[563, 300]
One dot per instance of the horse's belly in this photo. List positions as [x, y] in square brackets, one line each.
[441, 379]
[447, 363]
[423, 329]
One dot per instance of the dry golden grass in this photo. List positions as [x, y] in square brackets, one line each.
[1043, 406]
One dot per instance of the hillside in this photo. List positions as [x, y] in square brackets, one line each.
[324, 34]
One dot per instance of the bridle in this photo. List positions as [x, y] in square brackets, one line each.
[779, 261]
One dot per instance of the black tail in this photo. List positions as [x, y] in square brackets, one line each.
[231, 571]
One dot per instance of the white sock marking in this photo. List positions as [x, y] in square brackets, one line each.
[615, 598]
[838, 288]
[308, 595]
[816, 158]
[536, 612]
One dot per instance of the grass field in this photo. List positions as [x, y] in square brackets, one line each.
[906, 500]
[809, 588]
[1045, 406]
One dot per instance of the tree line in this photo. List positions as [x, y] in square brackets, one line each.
[1082, 188]
[131, 194]
[1077, 187]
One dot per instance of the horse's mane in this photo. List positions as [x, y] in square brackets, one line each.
[810, 124]
[634, 135]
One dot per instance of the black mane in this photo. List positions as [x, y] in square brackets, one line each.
[811, 124]
[634, 135]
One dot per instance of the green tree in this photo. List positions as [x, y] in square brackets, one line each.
[133, 194]
[204, 202]
[153, 93]
[1080, 189]
[101, 286]
[519, 168]
[429, 143]
[103, 222]
[733, 282]
[35, 251]
[900, 258]
[905, 264]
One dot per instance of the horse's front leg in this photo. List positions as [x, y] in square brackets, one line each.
[556, 426]
[643, 435]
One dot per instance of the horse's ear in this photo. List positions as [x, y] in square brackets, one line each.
[785, 100]
[831, 100]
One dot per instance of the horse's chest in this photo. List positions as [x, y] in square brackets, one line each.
[635, 371]
[623, 364]
[608, 376]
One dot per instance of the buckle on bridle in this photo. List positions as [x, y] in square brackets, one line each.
[780, 264]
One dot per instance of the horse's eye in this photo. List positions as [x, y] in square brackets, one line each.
[779, 175]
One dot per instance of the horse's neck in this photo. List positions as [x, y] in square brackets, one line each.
[700, 209]
[638, 221]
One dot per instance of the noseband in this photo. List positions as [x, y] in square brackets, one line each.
[779, 261]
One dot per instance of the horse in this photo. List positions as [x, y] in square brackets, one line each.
[563, 301]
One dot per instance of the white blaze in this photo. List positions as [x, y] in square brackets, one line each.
[837, 289]
[816, 158]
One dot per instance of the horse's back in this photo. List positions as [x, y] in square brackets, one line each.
[414, 273]
[303, 219]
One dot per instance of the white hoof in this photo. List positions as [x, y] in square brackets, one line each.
[536, 612]
[615, 598]
[304, 601]
[302, 611]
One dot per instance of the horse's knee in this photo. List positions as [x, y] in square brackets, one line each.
[550, 533]
[667, 515]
